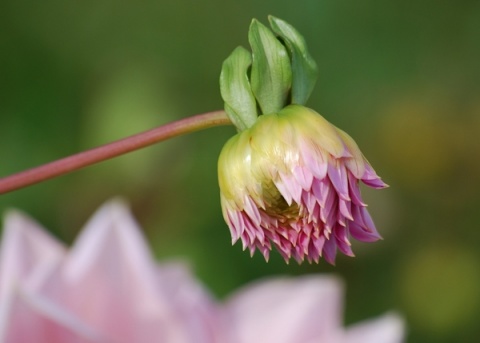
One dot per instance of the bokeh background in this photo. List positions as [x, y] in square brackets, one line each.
[401, 76]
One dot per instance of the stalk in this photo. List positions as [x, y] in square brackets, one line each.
[138, 141]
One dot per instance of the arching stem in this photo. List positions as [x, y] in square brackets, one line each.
[117, 148]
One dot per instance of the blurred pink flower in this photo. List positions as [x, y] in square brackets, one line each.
[108, 289]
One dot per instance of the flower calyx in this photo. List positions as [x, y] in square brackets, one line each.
[279, 71]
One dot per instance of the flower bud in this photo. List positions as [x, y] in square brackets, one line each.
[291, 181]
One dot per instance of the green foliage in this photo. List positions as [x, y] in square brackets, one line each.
[271, 71]
[235, 88]
[304, 68]
[279, 71]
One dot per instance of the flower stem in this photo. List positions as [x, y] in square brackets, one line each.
[116, 148]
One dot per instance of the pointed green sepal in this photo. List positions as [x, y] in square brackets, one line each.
[240, 104]
[304, 68]
[271, 74]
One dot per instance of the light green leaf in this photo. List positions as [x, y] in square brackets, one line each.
[235, 88]
[304, 68]
[271, 75]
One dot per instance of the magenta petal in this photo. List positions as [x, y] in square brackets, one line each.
[234, 225]
[361, 234]
[284, 191]
[338, 176]
[251, 209]
[309, 201]
[314, 161]
[304, 177]
[343, 244]
[345, 210]
[355, 190]
[258, 234]
[375, 183]
[321, 190]
[358, 218]
[345, 248]
[293, 187]
[370, 178]
[330, 250]
[367, 219]
[248, 230]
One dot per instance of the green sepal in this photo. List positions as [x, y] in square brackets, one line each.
[304, 68]
[240, 104]
[271, 74]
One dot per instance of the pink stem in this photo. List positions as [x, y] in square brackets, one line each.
[117, 148]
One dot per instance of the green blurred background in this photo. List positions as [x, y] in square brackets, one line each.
[402, 77]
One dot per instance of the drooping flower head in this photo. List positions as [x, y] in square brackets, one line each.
[292, 181]
[289, 179]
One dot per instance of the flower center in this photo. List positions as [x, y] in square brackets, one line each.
[276, 206]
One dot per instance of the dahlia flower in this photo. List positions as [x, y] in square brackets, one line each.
[107, 288]
[292, 181]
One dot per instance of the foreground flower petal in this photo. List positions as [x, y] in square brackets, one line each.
[310, 307]
[387, 329]
[302, 310]
[292, 181]
[108, 284]
[108, 289]
[27, 253]
[30, 318]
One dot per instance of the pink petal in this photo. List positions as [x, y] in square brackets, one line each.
[386, 329]
[355, 190]
[342, 241]
[367, 219]
[286, 310]
[330, 250]
[313, 159]
[292, 188]
[339, 179]
[109, 281]
[304, 177]
[201, 315]
[27, 317]
[27, 253]
[370, 178]
[361, 234]
[251, 209]
[234, 219]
